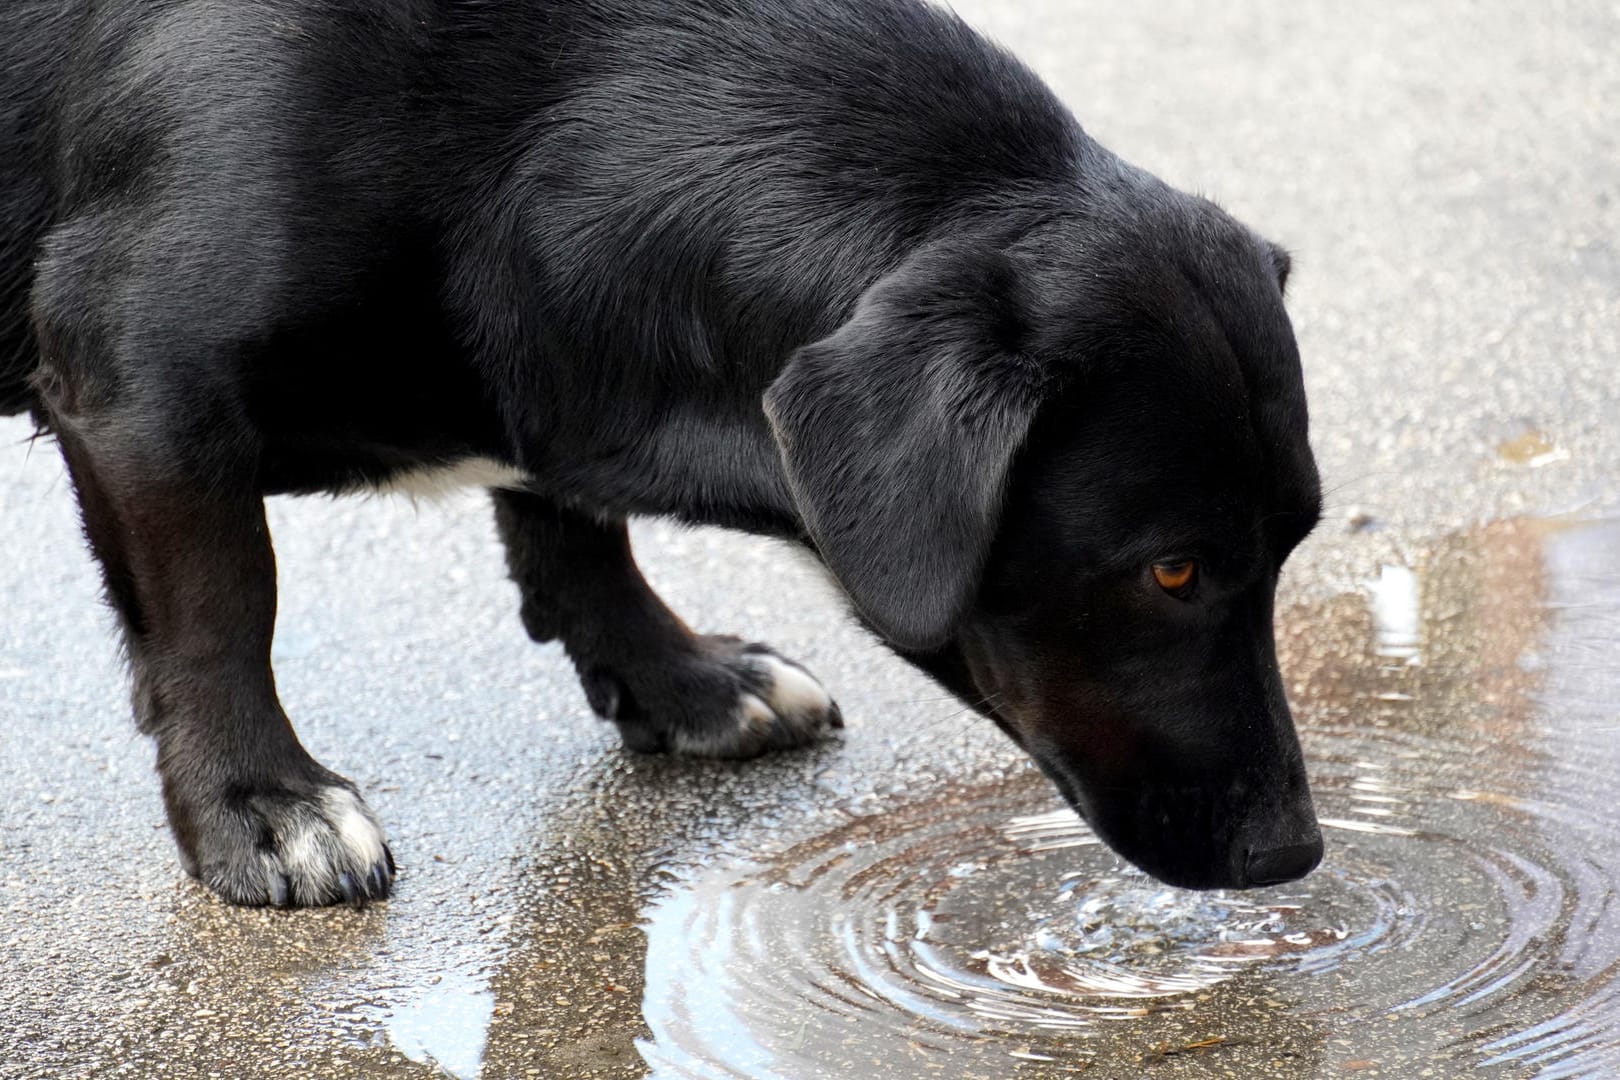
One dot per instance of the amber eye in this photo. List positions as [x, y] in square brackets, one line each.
[1175, 577]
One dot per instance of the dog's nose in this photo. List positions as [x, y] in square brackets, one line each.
[1273, 866]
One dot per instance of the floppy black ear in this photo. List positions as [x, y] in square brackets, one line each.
[1281, 262]
[897, 432]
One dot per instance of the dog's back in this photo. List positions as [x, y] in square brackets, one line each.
[33, 34]
[689, 124]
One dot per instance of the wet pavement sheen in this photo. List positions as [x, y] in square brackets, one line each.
[911, 901]
[1465, 776]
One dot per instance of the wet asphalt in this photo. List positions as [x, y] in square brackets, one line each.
[1448, 176]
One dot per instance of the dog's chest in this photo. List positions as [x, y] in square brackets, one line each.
[439, 481]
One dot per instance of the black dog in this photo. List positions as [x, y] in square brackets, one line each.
[833, 270]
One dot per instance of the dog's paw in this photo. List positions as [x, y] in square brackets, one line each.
[729, 699]
[288, 848]
[779, 705]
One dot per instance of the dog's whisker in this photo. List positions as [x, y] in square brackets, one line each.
[989, 701]
[1332, 491]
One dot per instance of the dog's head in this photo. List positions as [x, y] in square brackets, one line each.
[1061, 471]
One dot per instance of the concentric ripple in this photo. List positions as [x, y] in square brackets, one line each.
[1464, 921]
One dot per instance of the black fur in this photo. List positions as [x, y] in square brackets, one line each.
[833, 270]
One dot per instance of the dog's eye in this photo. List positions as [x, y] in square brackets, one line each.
[1176, 577]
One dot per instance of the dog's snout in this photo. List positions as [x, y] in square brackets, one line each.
[1290, 862]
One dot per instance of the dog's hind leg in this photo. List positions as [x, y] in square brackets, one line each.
[664, 686]
[165, 465]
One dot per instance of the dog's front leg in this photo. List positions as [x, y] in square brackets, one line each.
[664, 686]
[190, 571]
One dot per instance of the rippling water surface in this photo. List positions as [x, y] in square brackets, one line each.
[1462, 719]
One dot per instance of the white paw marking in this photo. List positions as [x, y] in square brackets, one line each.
[794, 690]
[357, 827]
[338, 834]
[755, 717]
[440, 481]
[791, 710]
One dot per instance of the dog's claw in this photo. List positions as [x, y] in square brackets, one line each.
[295, 849]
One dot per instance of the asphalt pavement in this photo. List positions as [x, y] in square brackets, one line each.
[1448, 177]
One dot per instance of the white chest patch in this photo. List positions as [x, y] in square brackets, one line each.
[443, 480]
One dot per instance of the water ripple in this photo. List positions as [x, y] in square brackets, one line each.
[1463, 919]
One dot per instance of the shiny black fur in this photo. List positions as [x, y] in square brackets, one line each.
[833, 270]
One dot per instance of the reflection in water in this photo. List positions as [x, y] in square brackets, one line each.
[445, 1026]
[1461, 725]
[1576, 812]
[1397, 618]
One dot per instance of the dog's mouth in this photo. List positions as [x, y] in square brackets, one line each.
[1185, 810]
[1201, 832]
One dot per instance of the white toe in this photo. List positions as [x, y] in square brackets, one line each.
[754, 716]
[338, 833]
[357, 827]
[793, 690]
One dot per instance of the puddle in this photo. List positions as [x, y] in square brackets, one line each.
[446, 1026]
[1462, 719]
